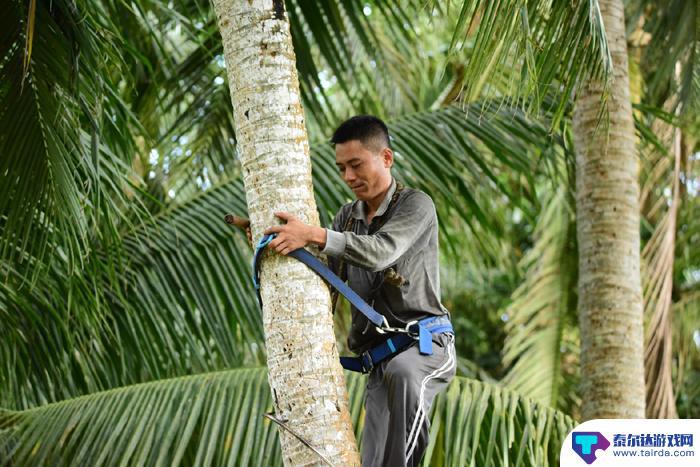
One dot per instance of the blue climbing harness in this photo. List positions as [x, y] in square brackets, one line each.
[400, 339]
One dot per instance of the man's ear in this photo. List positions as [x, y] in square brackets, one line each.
[388, 157]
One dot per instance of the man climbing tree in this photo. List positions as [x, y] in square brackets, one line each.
[385, 244]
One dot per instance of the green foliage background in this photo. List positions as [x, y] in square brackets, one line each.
[130, 331]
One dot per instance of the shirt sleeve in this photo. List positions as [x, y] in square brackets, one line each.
[335, 243]
[383, 248]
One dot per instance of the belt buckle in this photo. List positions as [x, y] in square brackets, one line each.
[414, 334]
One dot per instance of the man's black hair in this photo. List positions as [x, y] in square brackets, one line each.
[368, 129]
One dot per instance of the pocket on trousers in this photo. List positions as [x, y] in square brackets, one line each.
[442, 339]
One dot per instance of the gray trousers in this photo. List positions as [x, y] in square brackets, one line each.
[400, 392]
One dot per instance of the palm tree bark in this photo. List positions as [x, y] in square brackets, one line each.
[607, 193]
[306, 380]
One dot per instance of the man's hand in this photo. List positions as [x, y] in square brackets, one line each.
[294, 234]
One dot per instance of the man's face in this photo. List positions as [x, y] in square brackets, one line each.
[366, 172]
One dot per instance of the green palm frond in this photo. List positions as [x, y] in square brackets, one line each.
[189, 278]
[391, 60]
[62, 167]
[472, 370]
[334, 44]
[542, 308]
[548, 45]
[481, 424]
[176, 299]
[200, 146]
[217, 419]
[338, 37]
[668, 39]
[687, 256]
[56, 341]
[687, 259]
[210, 419]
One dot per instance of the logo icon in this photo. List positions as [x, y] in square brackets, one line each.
[585, 444]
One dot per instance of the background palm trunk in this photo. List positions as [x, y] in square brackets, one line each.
[306, 380]
[607, 193]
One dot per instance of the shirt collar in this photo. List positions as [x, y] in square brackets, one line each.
[359, 210]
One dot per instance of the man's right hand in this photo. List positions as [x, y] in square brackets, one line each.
[241, 223]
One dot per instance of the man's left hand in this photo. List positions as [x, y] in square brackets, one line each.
[290, 236]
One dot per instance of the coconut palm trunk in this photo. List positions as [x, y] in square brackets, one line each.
[607, 193]
[306, 380]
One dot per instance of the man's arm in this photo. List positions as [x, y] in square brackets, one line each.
[382, 249]
[375, 252]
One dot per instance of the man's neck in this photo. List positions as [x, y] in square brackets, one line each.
[374, 203]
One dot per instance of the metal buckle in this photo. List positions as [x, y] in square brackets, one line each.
[385, 328]
[414, 334]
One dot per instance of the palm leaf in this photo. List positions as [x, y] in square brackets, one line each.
[659, 201]
[666, 33]
[217, 419]
[481, 424]
[547, 44]
[410, 70]
[57, 179]
[189, 278]
[687, 256]
[176, 299]
[542, 307]
[333, 38]
[210, 419]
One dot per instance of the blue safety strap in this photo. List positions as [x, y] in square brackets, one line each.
[421, 330]
[371, 358]
[335, 281]
[323, 271]
[397, 343]
[256, 257]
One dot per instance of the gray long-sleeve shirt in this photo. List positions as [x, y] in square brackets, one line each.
[394, 268]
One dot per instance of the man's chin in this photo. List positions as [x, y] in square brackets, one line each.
[360, 193]
[362, 197]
